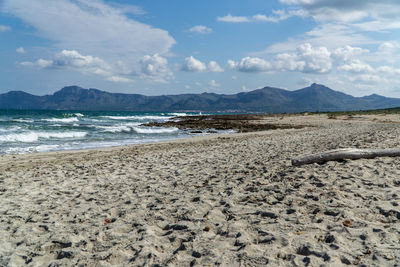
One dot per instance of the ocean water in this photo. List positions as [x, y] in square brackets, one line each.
[30, 131]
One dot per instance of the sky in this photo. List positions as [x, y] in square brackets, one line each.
[156, 47]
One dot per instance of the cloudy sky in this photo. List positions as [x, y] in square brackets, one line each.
[227, 46]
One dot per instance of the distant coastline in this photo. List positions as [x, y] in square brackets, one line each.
[266, 100]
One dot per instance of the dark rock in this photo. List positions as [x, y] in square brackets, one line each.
[238, 122]
[323, 255]
[267, 214]
[45, 227]
[196, 254]
[64, 254]
[168, 233]
[63, 244]
[388, 213]
[344, 260]
[176, 227]
[180, 248]
[304, 250]
[267, 240]
[331, 213]
[306, 261]
[329, 238]
[290, 211]
[334, 246]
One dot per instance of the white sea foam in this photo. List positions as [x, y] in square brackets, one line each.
[23, 120]
[120, 117]
[178, 114]
[11, 129]
[35, 136]
[154, 130]
[115, 129]
[143, 118]
[77, 114]
[139, 118]
[64, 120]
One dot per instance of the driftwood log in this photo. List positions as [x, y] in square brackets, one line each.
[345, 153]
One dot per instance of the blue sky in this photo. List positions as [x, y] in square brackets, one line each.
[157, 47]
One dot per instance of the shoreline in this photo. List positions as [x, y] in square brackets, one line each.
[227, 200]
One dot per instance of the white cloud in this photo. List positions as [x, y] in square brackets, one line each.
[42, 63]
[156, 68]
[201, 29]
[250, 64]
[234, 77]
[20, 50]
[389, 47]
[377, 26]
[245, 89]
[194, 65]
[388, 70]
[368, 78]
[345, 11]
[356, 66]
[278, 15]
[289, 62]
[348, 53]
[104, 30]
[4, 28]
[72, 59]
[129, 9]
[340, 23]
[328, 35]
[86, 64]
[119, 79]
[233, 19]
[213, 84]
[214, 67]
[306, 59]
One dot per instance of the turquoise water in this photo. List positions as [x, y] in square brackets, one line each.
[29, 131]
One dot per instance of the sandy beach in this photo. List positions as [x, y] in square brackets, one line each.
[218, 200]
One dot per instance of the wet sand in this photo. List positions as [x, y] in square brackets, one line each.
[219, 200]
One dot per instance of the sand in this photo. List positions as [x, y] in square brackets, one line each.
[220, 200]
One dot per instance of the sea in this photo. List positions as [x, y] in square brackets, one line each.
[30, 131]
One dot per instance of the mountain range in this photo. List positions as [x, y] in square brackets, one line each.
[316, 97]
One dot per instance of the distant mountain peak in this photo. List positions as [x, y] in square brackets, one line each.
[71, 88]
[317, 86]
